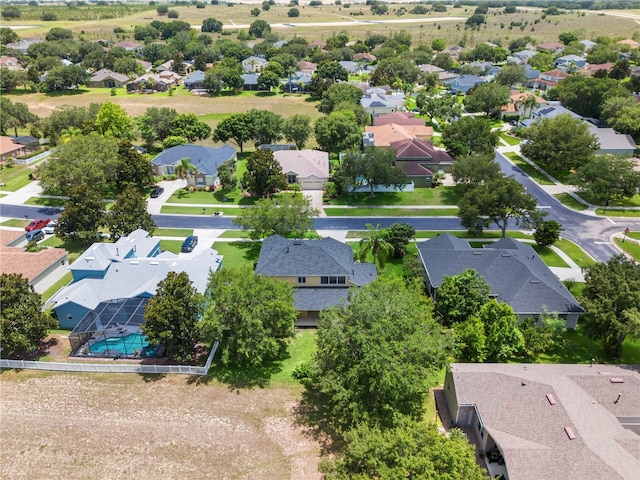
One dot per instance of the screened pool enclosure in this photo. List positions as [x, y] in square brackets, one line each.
[113, 330]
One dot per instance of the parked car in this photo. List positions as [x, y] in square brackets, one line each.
[50, 228]
[156, 192]
[189, 244]
[37, 224]
[34, 235]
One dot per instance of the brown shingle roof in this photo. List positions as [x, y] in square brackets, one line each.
[415, 148]
[399, 118]
[384, 135]
[29, 264]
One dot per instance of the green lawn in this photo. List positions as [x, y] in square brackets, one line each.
[613, 202]
[172, 232]
[551, 258]
[73, 247]
[14, 177]
[46, 202]
[570, 202]
[14, 222]
[393, 266]
[632, 248]
[618, 213]
[300, 350]
[575, 253]
[391, 212]
[48, 293]
[210, 198]
[234, 234]
[238, 254]
[171, 245]
[580, 349]
[420, 196]
[509, 139]
[177, 210]
[528, 169]
[635, 235]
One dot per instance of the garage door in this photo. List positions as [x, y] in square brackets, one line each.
[312, 184]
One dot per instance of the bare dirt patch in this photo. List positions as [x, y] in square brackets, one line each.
[127, 426]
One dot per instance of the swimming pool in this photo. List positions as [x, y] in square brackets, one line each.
[126, 345]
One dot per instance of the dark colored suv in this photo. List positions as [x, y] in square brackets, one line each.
[156, 192]
[189, 244]
[36, 224]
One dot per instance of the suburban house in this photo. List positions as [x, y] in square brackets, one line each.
[588, 44]
[552, 47]
[23, 44]
[298, 82]
[385, 135]
[10, 63]
[320, 270]
[570, 63]
[250, 81]
[105, 78]
[514, 271]
[399, 118]
[629, 43]
[377, 101]
[537, 421]
[307, 168]
[10, 148]
[613, 142]
[551, 110]
[590, 70]
[442, 73]
[420, 160]
[354, 68]
[515, 105]
[307, 67]
[34, 266]
[129, 46]
[364, 57]
[549, 79]
[523, 56]
[253, 64]
[194, 81]
[206, 160]
[454, 51]
[150, 82]
[128, 268]
[464, 83]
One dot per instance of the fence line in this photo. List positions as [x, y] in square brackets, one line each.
[111, 368]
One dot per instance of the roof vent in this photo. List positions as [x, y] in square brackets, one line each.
[88, 258]
[535, 281]
[551, 399]
[133, 262]
[297, 243]
[477, 253]
[153, 263]
[570, 434]
[616, 380]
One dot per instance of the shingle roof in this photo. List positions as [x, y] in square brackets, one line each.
[514, 271]
[316, 299]
[29, 264]
[416, 148]
[304, 163]
[105, 73]
[512, 404]
[195, 77]
[609, 139]
[205, 159]
[384, 135]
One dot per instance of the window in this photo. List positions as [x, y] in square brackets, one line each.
[171, 170]
[302, 279]
[292, 178]
[333, 280]
[324, 280]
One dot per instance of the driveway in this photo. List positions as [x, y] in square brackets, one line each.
[316, 200]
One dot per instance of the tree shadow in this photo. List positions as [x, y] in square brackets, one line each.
[152, 377]
[67, 93]
[450, 196]
[250, 250]
[266, 94]
[314, 415]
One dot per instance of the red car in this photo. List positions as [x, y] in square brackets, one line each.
[36, 224]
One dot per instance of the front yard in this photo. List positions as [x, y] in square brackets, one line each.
[420, 196]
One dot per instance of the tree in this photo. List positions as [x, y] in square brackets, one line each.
[255, 12]
[23, 324]
[527, 103]
[621, 70]
[338, 93]
[259, 28]
[133, 169]
[250, 315]
[58, 34]
[413, 449]
[373, 167]
[399, 235]
[66, 78]
[559, 144]
[511, 74]
[8, 80]
[438, 44]
[378, 355]
[547, 233]
[585, 95]
[471, 340]
[155, 124]
[112, 120]
[475, 20]
[173, 14]
[236, 127]
[611, 298]
[332, 70]
[498, 201]
[504, 340]
[471, 170]
[83, 215]
[266, 126]
[375, 241]
[544, 335]
[487, 98]
[188, 126]
[129, 213]
[461, 296]
[469, 135]
[162, 9]
[393, 69]
[623, 115]
[173, 141]
[227, 175]
[81, 118]
[211, 25]
[8, 35]
[338, 131]
[268, 80]
[14, 115]
[89, 160]
[185, 168]
[605, 177]
[171, 316]
[293, 12]
[297, 130]
[264, 174]
[288, 216]
[442, 106]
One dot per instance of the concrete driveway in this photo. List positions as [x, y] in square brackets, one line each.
[316, 200]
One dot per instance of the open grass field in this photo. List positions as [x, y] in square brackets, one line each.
[15, 177]
[151, 427]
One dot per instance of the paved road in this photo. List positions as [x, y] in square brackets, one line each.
[591, 233]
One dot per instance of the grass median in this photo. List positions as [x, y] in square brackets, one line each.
[568, 201]
[630, 247]
[527, 168]
[391, 212]
[178, 210]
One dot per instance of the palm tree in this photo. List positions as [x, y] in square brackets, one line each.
[185, 167]
[68, 133]
[527, 103]
[375, 241]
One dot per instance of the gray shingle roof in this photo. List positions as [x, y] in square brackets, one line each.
[205, 159]
[316, 299]
[512, 404]
[514, 271]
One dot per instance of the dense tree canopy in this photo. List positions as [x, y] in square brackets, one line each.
[266, 126]
[487, 98]
[338, 131]
[297, 129]
[112, 120]
[23, 324]
[468, 136]
[156, 123]
[372, 168]
[236, 127]
[264, 175]
[128, 214]
[605, 177]
[559, 144]
[444, 107]
[83, 214]
[611, 298]
[250, 315]
[471, 170]
[171, 316]
[378, 355]
[338, 93]
[585, 95]
[187, 125]
[461, 296]
[14, 115]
